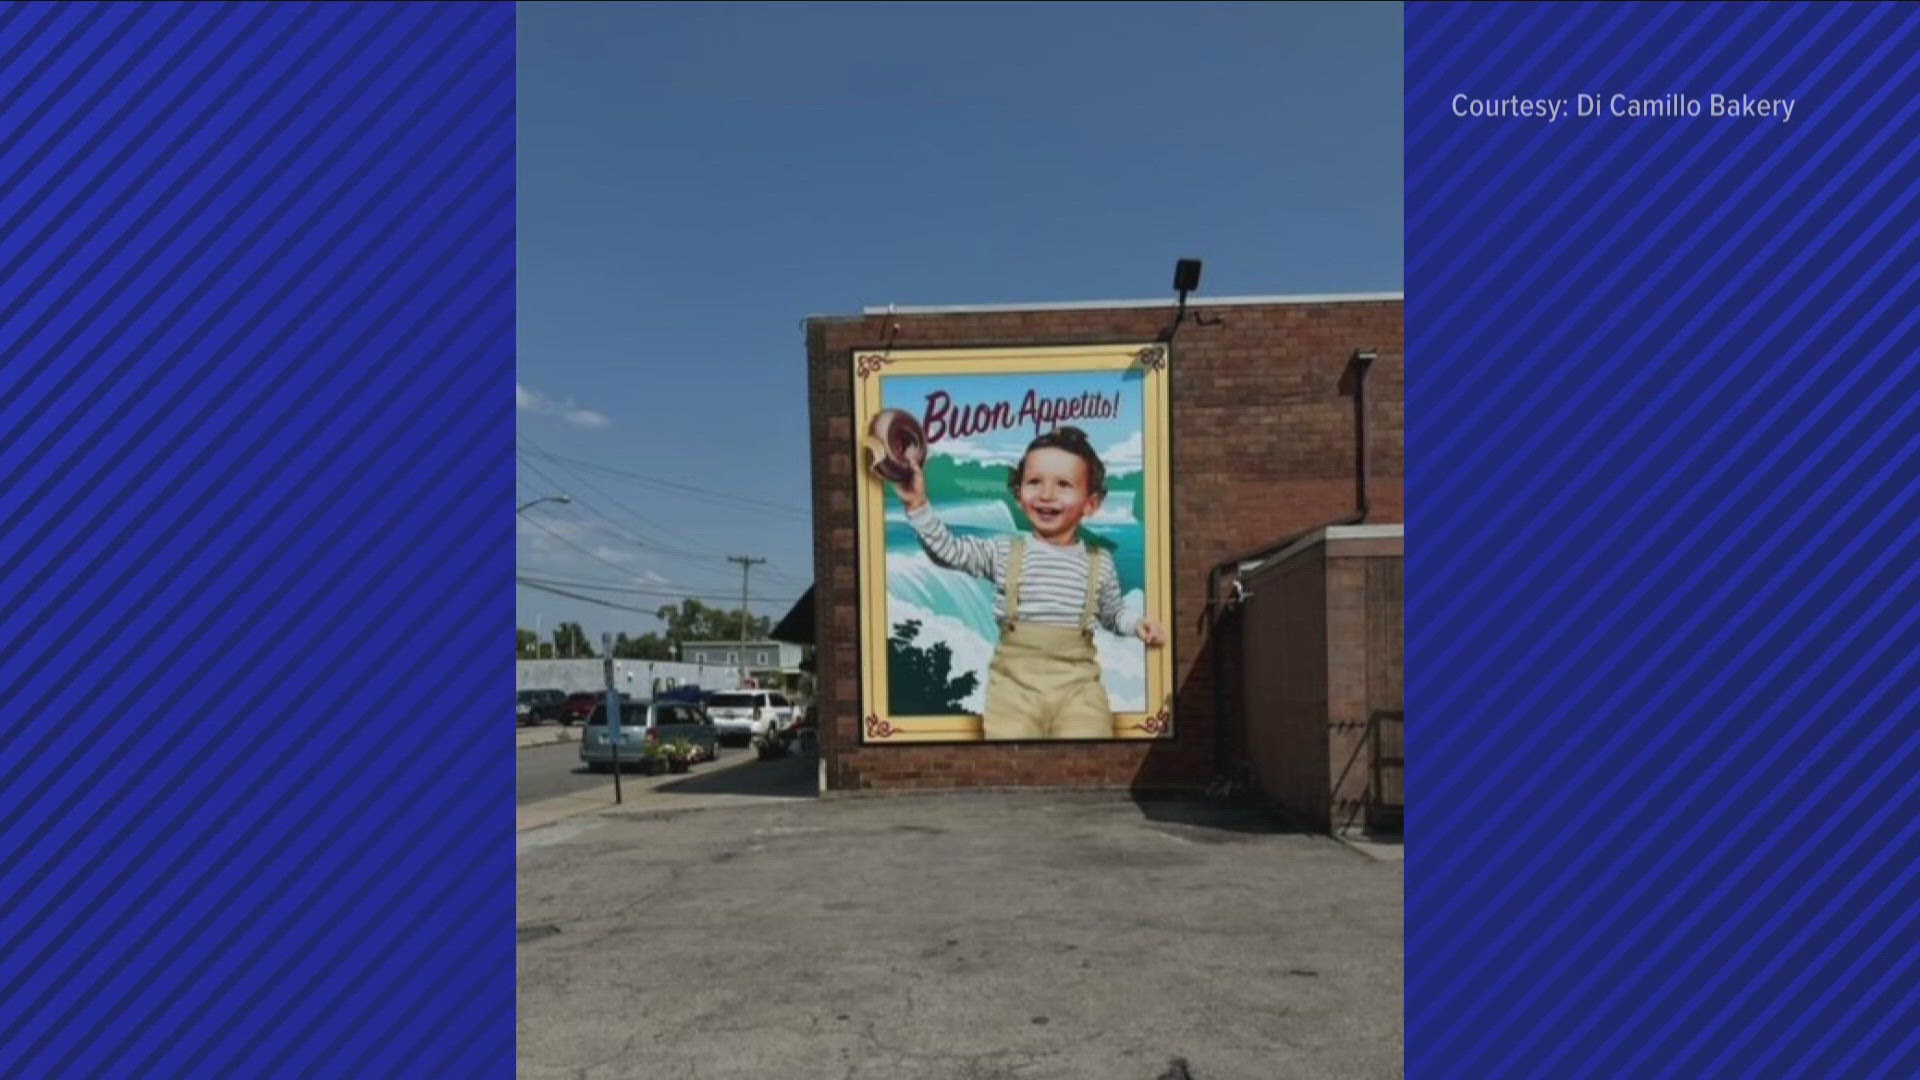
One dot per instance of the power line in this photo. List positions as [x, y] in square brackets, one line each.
[628, 570]
[544, 583]
[651, 544]
[687, 489]
[584, 599]
[561, 578]
[576, 547]
[644, 522]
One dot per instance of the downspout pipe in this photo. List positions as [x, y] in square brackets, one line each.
[1362, 361]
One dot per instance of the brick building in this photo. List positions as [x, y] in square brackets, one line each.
[1264, 450]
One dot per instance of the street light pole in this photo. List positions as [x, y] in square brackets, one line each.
[523, 508]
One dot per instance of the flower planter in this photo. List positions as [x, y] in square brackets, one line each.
[677, 765]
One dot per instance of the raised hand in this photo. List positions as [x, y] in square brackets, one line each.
[913, 490]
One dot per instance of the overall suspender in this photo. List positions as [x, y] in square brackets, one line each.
[1093, 591]
[1089, 608]
[1013, 582]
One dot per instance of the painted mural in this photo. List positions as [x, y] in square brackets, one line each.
[1014, 543]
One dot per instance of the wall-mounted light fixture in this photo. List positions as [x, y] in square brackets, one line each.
[1186, 279]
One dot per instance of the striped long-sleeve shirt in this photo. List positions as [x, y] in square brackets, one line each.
[1053, 579]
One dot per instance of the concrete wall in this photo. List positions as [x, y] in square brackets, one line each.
[634, 677]
[1262, 448]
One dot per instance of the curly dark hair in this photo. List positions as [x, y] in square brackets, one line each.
[1073, 441]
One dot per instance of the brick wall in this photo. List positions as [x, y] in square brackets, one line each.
[1284, 621]
[1263, 447]
[1365, 664]
[1323, 631]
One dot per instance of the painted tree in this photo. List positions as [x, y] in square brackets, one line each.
[920, 679]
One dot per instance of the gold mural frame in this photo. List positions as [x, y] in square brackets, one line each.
[871, 367]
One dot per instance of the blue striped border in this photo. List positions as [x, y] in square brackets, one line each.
[256, 324]
[1662, 603]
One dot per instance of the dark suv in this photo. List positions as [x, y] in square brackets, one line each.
[542, 705]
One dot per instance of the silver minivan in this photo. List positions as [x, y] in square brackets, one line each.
[643, 722]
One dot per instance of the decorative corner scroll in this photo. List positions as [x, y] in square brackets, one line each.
[870, 363]
[1153, 357]
[1158, 724]
[878, 728]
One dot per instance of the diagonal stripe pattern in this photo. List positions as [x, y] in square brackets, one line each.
[1667, 788]
[256, 325]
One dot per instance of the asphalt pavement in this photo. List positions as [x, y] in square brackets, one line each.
[544, 772]
[730, 928]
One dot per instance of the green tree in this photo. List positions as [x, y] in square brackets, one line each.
[691, 620]
[919, 679]
[570, 642]
[648, 646]
[526, 644]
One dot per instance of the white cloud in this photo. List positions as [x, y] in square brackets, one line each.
[528, 400]
[1125, 456]
[965, 450]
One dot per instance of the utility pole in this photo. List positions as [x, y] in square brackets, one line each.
[746, 565]
[616, 727]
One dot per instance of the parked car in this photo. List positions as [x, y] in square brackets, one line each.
[580, 705]
[683, 692]
[743, 714]
[540, 706]
[643, 722]
[802, 736]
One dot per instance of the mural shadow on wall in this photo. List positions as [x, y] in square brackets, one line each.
[1163, 787]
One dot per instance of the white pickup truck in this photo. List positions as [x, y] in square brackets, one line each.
[743, 714]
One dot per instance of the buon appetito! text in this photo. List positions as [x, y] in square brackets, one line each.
[1626, 107]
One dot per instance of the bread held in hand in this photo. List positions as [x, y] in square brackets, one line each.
[897, 445]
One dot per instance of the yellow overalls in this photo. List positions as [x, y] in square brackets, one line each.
[1044, 682]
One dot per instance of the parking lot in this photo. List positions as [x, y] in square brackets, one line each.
[543, 772]
[734, 926]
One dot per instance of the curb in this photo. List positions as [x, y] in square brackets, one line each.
[1378, 851]
[523, 738]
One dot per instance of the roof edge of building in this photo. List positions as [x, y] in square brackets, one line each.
[1097, 305]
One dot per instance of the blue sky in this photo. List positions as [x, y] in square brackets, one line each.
[694, 181]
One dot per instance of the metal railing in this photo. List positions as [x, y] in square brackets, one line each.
[1386, 791]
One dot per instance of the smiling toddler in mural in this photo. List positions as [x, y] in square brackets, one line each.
[1052, 589]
